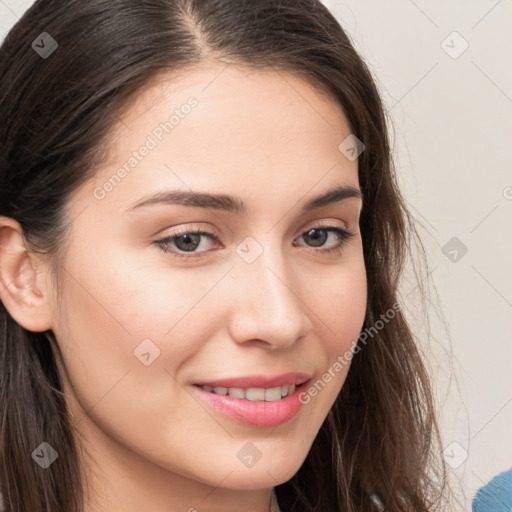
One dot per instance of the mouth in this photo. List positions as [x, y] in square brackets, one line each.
[267, 405]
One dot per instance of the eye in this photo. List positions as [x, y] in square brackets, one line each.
[188, 240]
[319, 234]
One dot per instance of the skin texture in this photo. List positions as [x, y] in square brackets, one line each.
[149, 444]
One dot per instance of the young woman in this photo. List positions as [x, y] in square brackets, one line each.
[201, 240]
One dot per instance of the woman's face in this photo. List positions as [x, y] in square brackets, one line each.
[258, 296]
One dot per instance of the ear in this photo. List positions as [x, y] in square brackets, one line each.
[22, 281]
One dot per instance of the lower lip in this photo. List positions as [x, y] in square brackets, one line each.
[258, 413]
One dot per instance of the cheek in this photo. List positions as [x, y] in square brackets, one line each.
[116, 317]
[113, 321]
[342, 301]
[107, 313]
[340, 307]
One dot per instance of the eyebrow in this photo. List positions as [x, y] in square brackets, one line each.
[234, 204]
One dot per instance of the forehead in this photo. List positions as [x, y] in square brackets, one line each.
[221, 126]
[235, 85]
[242, 101]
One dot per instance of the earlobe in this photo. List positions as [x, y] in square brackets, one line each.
[22, 286]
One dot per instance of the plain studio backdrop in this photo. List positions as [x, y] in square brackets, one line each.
[444, 71]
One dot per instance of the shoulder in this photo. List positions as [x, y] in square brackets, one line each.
[496, 495]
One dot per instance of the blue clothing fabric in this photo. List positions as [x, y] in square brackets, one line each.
[496, 495]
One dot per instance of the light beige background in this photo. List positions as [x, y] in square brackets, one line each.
[452, 118]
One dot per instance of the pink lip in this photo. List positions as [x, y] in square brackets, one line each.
[258, 381]
[256, 413]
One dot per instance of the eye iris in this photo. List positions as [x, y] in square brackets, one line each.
[195, 238]
[315, 237]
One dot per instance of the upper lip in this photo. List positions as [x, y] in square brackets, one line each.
[258, 381]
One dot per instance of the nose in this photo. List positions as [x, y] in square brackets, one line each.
[267, 305]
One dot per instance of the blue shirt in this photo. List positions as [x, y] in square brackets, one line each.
[496, 495]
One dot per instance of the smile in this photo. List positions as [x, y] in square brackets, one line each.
[259, 407]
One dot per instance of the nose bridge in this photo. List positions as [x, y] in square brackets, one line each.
[268, 304]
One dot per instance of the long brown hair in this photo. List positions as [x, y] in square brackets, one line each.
[379, 445]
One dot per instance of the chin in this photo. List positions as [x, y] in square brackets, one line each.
[262, 476]
[253, 481]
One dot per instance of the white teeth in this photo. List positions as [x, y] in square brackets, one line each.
[236, 392]
[273, 394]
[253, 394]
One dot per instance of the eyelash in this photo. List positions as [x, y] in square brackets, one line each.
[163, 243]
